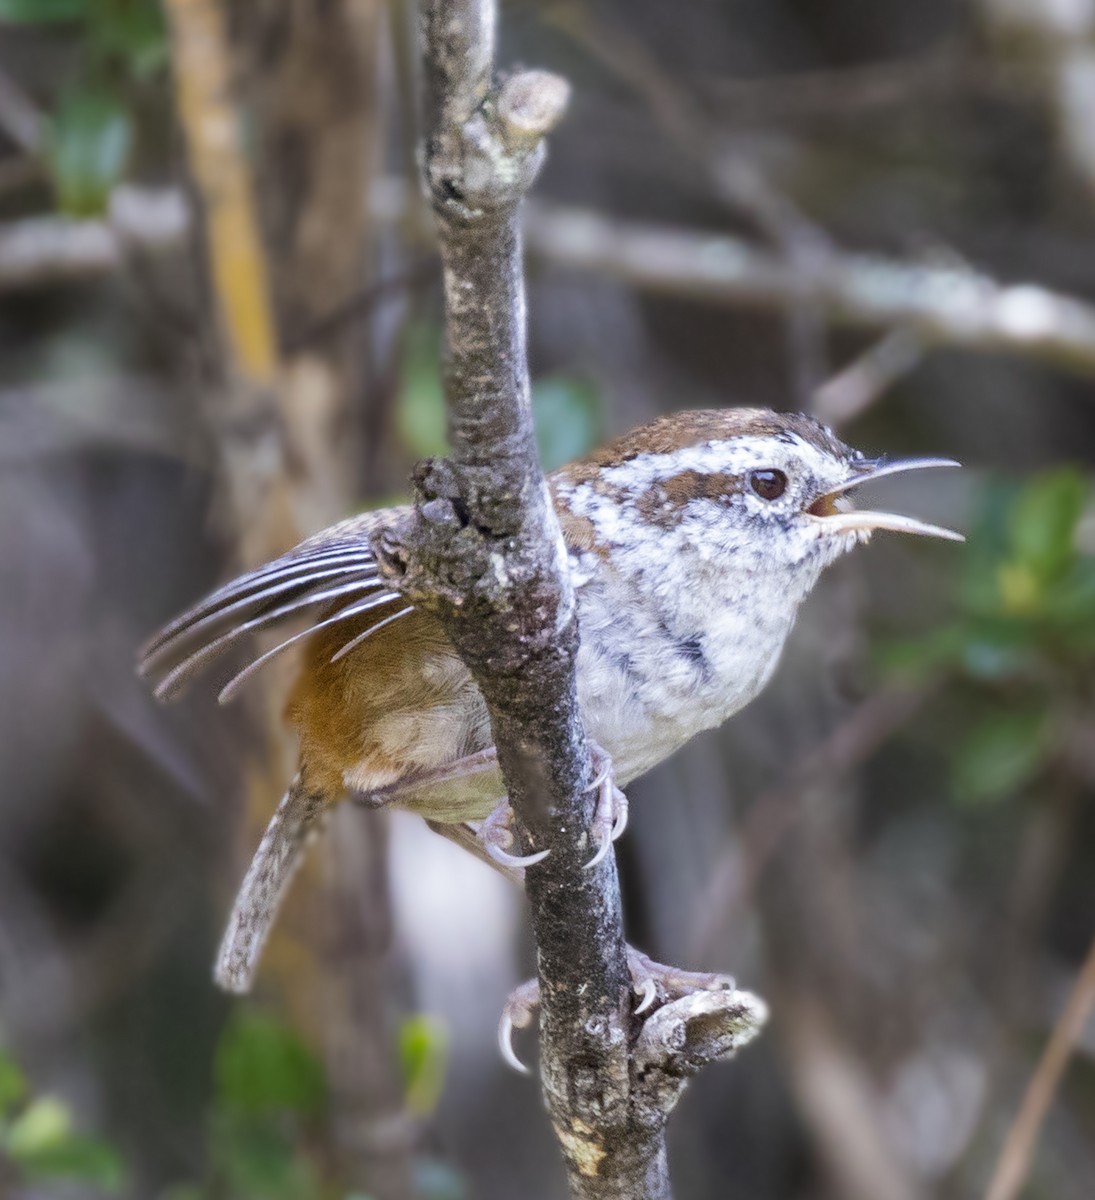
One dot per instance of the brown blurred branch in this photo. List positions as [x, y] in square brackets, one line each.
[1013, 1166]
[1058, 41]
[281, 425]
[236, 259]
[840, 1103]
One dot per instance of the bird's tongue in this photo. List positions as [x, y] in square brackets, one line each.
[831, 505]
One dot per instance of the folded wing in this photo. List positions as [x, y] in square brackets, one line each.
[328, 582]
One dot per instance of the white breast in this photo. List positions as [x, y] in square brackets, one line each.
[652, 674]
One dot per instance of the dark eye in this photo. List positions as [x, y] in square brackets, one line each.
[768, 485]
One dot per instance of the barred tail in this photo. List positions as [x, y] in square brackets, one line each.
[298, 817]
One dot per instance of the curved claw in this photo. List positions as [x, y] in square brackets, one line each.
[602, 850]
[515, 860]
[610, 795]
[505, 1045]
[602, 774]
[621, 816]
[648, 990]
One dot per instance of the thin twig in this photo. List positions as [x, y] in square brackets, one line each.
[737, 183]
[20, 117]
[850, 392]
[358, 307]
[774, 813]
[482, 552]
[1013, 1165]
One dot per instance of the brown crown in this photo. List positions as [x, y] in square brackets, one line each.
[680, 430]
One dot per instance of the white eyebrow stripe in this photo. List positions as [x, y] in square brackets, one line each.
[734, 456]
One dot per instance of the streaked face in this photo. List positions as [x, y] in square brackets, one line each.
[774, 496]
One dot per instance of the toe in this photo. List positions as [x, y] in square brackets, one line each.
[505, 1044]
[621, 805]
[647, 990]
[515, 860]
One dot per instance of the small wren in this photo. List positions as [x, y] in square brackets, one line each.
[691, 543]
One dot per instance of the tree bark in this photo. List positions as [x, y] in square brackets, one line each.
[483, 550]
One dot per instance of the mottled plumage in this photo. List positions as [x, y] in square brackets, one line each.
[687, 580]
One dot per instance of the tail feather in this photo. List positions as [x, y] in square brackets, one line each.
[298, 817]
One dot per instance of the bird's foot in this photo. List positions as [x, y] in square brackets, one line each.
[650, 981]
[657, 981]
[610, 815]
[517, 1013]
[496, 834]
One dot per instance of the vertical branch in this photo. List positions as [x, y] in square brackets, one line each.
[246, 423]
[312, 97]
[482, 549]
[236, 260]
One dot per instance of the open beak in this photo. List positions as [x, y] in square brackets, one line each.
[835, 510]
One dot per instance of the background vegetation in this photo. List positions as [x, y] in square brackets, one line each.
[894, 845]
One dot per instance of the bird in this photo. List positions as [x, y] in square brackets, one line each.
[691, 543]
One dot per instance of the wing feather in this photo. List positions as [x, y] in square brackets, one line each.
[232, 687]
[290, 568]
[314, 576]
[256, 610]
[354, 642]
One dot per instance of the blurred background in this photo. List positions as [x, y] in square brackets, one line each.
[220, 325]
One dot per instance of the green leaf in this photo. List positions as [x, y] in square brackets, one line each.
[922, 656]
[1000, 754]
[32, 12]
[1071, 600]
[262, 1068]
[87, 150]
[184, 1191]
[423, 1053]
[41, 1143]
[13, 1084]
[258, 1162]
[41, 1124]
[79, 1158]
[132, 31]
[568, 419]
[1043, 525]
[420, 412]
[988, 546]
